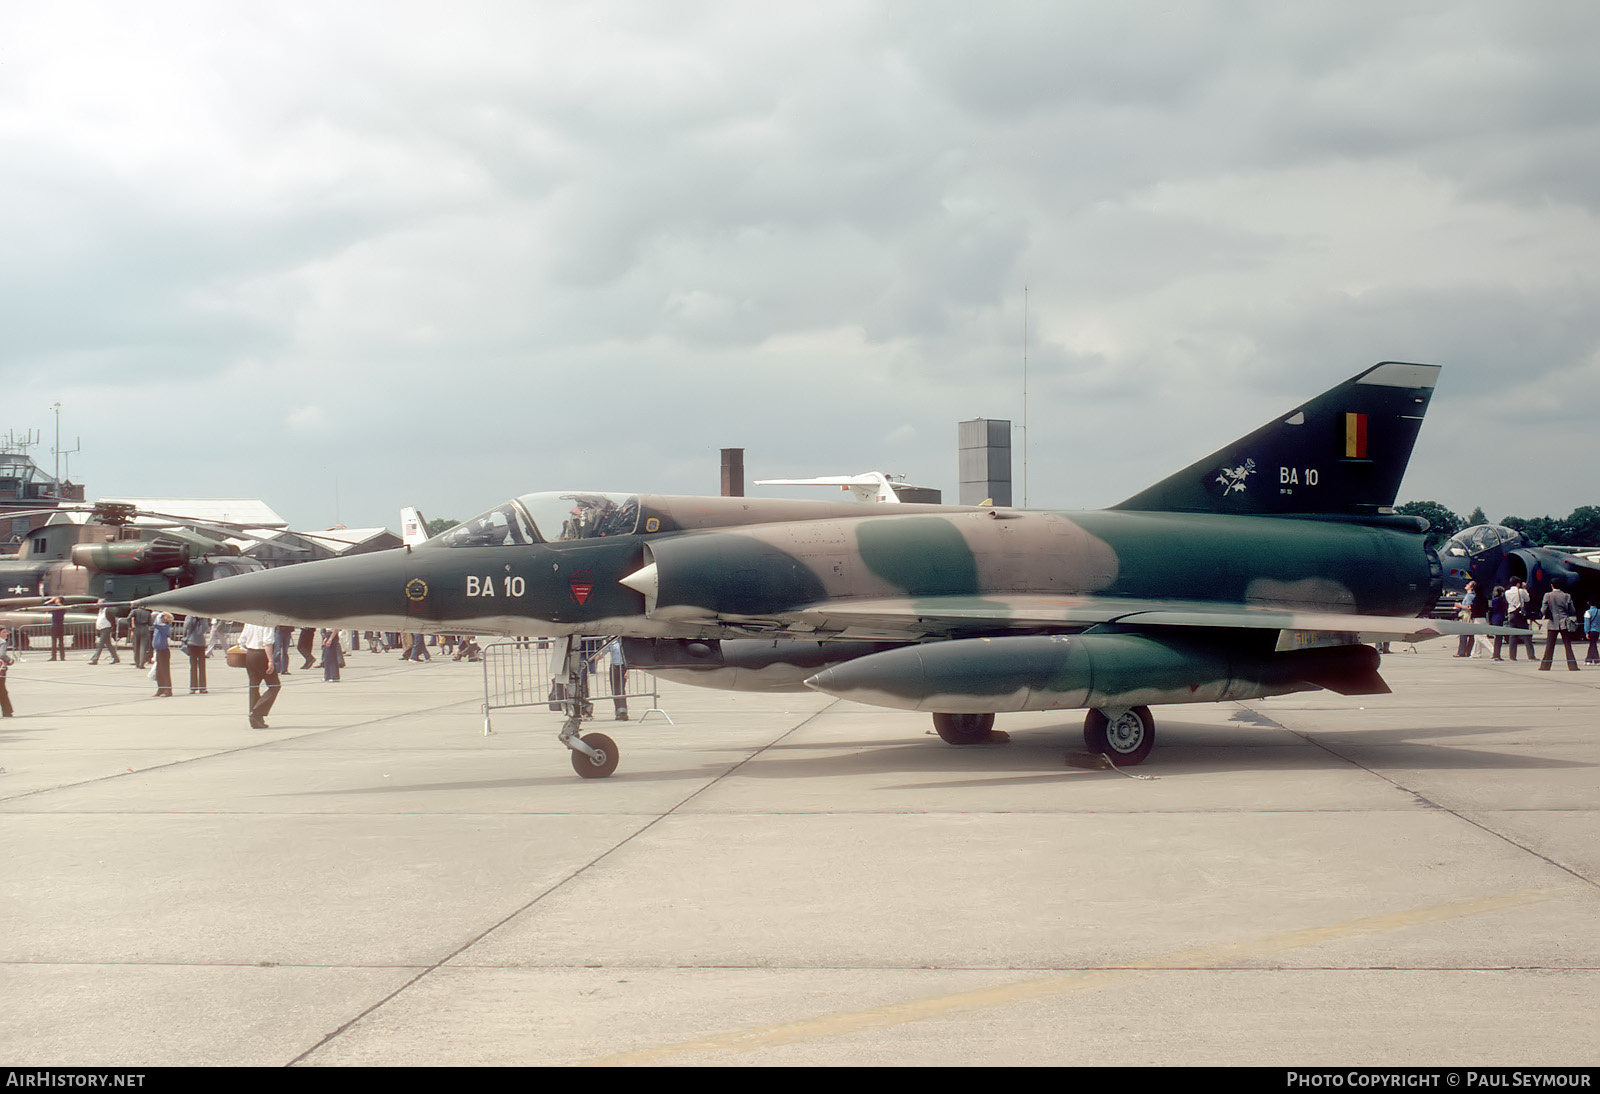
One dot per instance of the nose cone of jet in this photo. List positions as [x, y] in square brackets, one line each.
[363, 591]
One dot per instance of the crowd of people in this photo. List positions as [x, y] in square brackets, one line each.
[1511, 606]
[263, 652]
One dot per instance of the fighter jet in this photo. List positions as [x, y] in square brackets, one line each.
[1265, 568]
[1492, 554]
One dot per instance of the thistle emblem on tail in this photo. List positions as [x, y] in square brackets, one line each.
[1232, 478]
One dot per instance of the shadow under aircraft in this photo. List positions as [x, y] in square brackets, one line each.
[1270, 566]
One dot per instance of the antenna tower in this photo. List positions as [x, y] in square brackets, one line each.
[1024, 396]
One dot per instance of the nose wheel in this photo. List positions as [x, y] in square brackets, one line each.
[594, 756]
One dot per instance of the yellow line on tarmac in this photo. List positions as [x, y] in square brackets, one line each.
[938, 1006]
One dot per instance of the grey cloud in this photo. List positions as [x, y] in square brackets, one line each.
[593, 243]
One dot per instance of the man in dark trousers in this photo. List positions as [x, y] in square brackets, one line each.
[139, 619]
[618, 678]
[1517, 598]
[195, 630]
[305, 644]
[1561, 620]
[280, 649]
[58, 629]
[258, 665]
[5, 663]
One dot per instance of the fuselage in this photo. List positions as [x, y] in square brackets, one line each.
[721, 567]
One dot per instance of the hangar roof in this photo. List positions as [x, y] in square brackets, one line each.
[251, 513]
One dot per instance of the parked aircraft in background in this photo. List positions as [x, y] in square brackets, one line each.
[110, 558]
[1492, 554]
[870, 486]
[413, 527]
[1267, 567]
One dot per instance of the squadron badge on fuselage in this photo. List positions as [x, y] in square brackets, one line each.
[581, 584]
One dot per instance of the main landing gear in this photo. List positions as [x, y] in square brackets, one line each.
[1126, 735]
[968, 729]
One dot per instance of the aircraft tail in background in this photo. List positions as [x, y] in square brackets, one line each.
[413, 528]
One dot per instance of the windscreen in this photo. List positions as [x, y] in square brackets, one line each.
[1486, 537]
[581, 514]
[503, 526]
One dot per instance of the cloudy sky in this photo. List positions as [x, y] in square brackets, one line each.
[346, 257]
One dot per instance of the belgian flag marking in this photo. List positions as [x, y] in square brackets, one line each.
[1355, 436]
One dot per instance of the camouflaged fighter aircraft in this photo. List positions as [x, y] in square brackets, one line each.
[1263, 569]
[1492, 554]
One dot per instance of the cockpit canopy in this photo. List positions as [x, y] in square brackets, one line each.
[1482, 538]
[551, 517]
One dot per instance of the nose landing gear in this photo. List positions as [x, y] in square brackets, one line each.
[594, 756]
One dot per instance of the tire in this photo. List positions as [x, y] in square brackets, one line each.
[590, 768]
[1127, 739]
[963, 729]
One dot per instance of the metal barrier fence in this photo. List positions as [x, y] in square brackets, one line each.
[36, 636]
[517, 673]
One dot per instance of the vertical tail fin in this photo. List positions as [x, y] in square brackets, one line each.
[1344, 452]
[413, 528]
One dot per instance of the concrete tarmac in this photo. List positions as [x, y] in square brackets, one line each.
[1408, 879]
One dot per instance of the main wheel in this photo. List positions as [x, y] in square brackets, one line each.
[963, 729]
[1127, 737]
[601, 765]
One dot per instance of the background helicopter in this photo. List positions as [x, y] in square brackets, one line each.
[110, 557]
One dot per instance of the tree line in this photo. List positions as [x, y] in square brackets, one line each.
[1581, 528]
